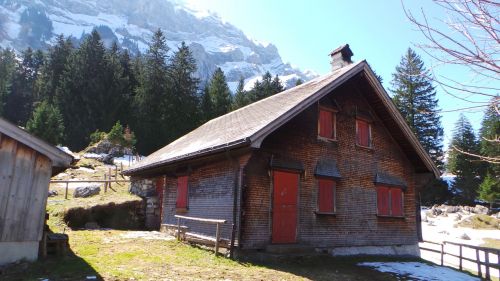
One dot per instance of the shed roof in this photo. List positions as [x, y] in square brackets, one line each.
[248, 126]
[60, 160]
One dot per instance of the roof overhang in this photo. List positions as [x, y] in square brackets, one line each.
[60, 159]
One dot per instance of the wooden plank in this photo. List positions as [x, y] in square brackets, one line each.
[36, 215]
[214, 221]
[8, 149]
[19, 193]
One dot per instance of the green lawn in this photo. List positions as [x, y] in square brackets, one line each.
[109, 256]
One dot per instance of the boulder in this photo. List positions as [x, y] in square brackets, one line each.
[87, 190]
[106, 159]
[480, 210]
[464, 236]
[452, 209]
[52, 193]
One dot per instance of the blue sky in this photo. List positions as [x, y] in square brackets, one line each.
[306, 31]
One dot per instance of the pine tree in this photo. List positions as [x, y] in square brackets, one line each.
[267, 87]
[463, 166]
[20, 100]
[152, 97]
[52, 70]
[415, 97]
[47, 123]
[206, 105]
[240, 97]
[299, 82]
[83, 91]
[185, 115]
[489, 134]
[7, 67]
[219, 93]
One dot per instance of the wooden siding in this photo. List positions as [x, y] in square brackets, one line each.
[24, 182]
[210, 195]
[355, 222]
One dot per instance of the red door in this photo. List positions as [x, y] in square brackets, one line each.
[285, 207]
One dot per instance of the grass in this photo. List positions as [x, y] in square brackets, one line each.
[109, 256]
[491, 243]
[481, 222]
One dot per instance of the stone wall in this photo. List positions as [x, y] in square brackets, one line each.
[146, 189]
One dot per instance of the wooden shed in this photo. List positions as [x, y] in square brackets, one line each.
[26, 166]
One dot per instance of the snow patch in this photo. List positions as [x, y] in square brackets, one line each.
[420, 271]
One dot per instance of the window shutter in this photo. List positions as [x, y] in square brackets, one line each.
[396, 202]
[182, 192]
[326, 195]
[326, 124]
[363, 133]
[383, 201]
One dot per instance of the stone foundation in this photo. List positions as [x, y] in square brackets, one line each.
[145, 188]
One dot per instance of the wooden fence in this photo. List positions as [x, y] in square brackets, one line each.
[477, 260]
[107, 183]
[215, 240]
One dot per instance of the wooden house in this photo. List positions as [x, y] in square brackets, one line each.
[26, 166]
[329, 165]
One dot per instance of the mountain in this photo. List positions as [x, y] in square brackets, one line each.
[131, 23]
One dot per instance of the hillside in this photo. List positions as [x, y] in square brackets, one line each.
[131, 23]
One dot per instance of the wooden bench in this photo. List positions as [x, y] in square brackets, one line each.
[202, 239]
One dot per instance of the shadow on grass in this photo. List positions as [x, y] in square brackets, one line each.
[69, 267]
[325, 267]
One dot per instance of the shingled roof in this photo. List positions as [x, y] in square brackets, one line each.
[248, 126]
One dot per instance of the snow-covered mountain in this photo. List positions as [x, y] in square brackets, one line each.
[131, 23]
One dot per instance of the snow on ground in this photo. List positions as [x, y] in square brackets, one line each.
[420, 271]
[443, 228]
[151, 235]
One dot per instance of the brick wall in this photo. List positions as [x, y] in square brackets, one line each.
[355, 223]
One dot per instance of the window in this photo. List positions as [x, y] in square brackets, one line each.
[389, 201]
[326, 195]
[363, 133]
[182, 192]
[326, 124]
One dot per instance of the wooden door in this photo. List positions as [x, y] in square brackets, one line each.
[285, 207]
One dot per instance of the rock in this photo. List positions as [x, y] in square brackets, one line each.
[480, 210]
[436, 212]
[52, 193]
[497, 215]
[444, 232]
[452, 209]
[464, 236]
[458, 217]
[106, 159]
[116, 151]
[87, 190]
[431, 223]
[92, 225]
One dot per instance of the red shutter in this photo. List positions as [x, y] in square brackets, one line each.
[182, 192]
[383, 201]
[326, 195]
[396, 202]
[326, 124]
[363, 133]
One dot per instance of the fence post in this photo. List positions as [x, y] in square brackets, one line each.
[105, 184]
[478, 260]
[442, 254]
[178, 229]
[66, 192]
[460, 259]
[217, 236]
[116, 172]
[487, 265]
[109, 177]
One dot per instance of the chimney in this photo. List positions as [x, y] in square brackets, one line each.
[341, 57]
